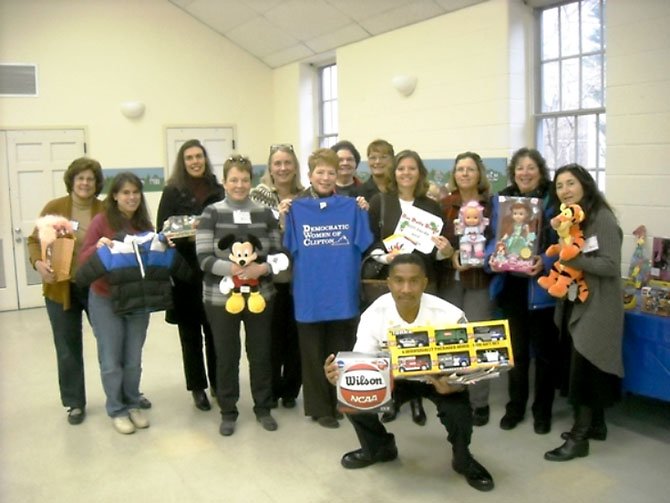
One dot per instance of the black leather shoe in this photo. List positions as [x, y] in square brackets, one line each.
[595, 433]
[571, 449]
[480, 416]
[389, 416]
[359, 459]
[476, 475]
[542, 426]
[76, 415]
[144, 402]
[510, 421]
[418, 414]
[288, 403]
[327, 421]
[200, 399]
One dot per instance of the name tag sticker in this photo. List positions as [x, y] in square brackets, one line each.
[323, 205]
[241, 217]
[590, 245]
[75, 225]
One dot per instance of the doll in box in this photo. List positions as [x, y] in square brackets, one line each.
[516, 236]
[470, 225]
[519, 238]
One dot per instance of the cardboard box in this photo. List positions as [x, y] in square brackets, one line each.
[467, 352]
[518, 225]
[365, 383]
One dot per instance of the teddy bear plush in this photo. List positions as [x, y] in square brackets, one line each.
[246, 292]
[570, 244]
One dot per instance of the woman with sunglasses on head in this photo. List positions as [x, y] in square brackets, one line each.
[237, 216]
[191, 187]
[280, 181]
[594, 327]
[465, 286]
[327, 234]
[408, 187]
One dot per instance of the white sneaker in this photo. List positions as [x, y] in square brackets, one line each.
[138, 418]
[123, 424]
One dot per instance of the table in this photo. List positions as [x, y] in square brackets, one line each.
[646, 355]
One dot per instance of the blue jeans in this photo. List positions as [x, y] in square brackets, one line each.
[120, 340]
[67, 334]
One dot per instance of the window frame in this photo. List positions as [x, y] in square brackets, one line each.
[577, 115]
[326, 138]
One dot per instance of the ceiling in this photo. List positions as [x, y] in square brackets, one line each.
[279, 32]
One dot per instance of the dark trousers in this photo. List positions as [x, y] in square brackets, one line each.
[286, 374]
[67, 335]
[453, 410]
[533, 330]
[317, 341]
[191, 338]
[226, 332]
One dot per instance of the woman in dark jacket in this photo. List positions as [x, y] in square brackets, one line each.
[190, 188]
[528, 307]
[408, 186]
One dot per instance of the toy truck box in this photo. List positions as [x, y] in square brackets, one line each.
[365, 383]
[467, 352]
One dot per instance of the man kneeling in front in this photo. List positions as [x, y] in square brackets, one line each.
[405, 306]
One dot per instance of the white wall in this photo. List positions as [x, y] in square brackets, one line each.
[638, 116]
[94, 54]
[471, 92]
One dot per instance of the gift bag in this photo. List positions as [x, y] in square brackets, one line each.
[58, 255]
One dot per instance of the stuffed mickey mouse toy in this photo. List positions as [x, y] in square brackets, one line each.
[244, 251]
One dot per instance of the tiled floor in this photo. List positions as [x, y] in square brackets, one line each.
[181, 457]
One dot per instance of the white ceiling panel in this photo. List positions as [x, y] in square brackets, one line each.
[279, 32]
[346, 35]
[261, 38]
[286, 56]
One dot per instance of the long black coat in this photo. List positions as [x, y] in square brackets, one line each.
[187, 296]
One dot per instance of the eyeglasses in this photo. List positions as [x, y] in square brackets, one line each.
[280, 146]
[239, 159]
[376, 158]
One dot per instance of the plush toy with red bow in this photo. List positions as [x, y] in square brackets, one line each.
[561, 278]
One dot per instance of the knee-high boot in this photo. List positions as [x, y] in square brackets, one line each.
[577, 443]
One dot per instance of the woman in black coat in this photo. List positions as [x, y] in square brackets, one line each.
[191, 187]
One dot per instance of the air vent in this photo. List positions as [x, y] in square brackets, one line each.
[18, 80]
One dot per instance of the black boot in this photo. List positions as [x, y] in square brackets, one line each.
[389, 416]
[577, 444]
[598, 430]
[418, 414]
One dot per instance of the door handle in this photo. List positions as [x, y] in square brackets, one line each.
[18, 235]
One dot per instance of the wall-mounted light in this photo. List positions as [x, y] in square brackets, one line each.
[404, 84]
[132, 109]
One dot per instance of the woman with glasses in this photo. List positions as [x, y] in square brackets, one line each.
[347, 182]
[463, 285]
[408, 187]
[64, 300]
[280, 181]
[594, 327]
[380, 160]
[326, 234]
[238, 216]
[191, 187]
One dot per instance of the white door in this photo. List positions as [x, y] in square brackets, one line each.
[36, 161]
[218, 141]
[9, 298]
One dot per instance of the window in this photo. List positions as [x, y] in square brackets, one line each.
[570, 109]
[329, 119]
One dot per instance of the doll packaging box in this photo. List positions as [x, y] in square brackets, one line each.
[519, 222]
[365, 383]
[466, 352]
[470, 226]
